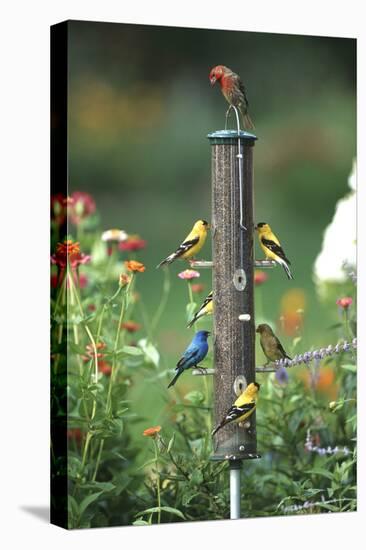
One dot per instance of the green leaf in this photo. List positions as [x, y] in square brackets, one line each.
[140, 522]
[195, 397]
[157, 509]
[87, 501]
[190, 309]
[75, 348]
[151, 353]
[147, 463]
[188, 497]
[320, 472]
[130, 350]
[170, 444]
[102, 485]
[296, 341]
[72, 506]
[350, 368]
[196, 478]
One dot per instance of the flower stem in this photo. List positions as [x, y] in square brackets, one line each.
[115, 347]
[157, 479]
[348, 330]
[163, 300]
[101, 445]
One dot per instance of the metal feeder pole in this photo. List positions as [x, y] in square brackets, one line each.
[233, 262]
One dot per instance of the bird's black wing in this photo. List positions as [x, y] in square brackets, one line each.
[185, 246]
[206, 301]
[275, 248]
[236, 412]
[280, 347]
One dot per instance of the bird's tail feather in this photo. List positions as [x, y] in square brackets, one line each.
[167, 260]
[218, 427]
[175, 378]
[193, 320]
[286, 268]
[248, 123]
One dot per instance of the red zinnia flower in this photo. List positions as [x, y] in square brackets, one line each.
[54, 281]
[75, 433]
[90, 351]
[104, 367]
[68, 252]
[260, 277]
[344, 302]
[83, 280]
[131, 326]
[133, 243]
[197, 288]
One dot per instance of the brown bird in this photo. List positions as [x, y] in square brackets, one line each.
[271, 346]
[233, 90]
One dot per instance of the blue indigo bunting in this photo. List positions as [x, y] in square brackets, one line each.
[194, 354]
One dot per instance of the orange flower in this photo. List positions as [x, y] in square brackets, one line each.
[104, 367]
[324, 381]
[67, 248]
[131, 326]
[152, 432]
[133, 265]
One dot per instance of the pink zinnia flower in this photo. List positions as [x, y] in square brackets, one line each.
[80, 206]
[188, 274]
[344, 302]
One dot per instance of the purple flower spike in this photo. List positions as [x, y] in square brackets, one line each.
[282, 375]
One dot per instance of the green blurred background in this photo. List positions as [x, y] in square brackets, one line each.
[140, 108]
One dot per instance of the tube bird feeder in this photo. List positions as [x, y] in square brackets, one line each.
[233, 263]
[233, 294]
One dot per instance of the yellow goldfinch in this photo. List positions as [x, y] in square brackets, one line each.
[271, 346]
[243, 407]
[272, 248]
[205, 309]
[191, 245]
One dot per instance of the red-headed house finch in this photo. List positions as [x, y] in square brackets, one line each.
[233, 91]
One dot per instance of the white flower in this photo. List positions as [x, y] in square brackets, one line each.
[116, 235]
[339, 241]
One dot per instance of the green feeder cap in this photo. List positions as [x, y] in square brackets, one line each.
[230, 137]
